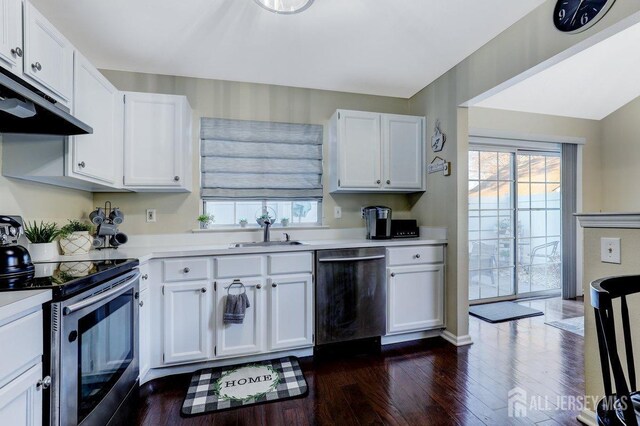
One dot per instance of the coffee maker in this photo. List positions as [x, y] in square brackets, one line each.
[378, 222]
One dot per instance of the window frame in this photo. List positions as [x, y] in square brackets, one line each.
[252, 224]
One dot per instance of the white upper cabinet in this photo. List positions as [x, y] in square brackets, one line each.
[11, 50]
[373, 152]
[157, 142]
[403, 156]
[48, 55]
[96, 157]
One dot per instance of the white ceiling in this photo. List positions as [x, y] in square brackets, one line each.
[590, 84]
[383, 47]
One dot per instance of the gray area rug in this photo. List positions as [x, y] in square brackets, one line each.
[573, 325]
[503, 311]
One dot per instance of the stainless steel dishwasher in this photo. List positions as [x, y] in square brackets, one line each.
[351, 294]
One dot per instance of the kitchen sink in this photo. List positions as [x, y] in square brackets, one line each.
[268, 244]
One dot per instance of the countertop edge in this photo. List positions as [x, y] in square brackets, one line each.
[12, 303]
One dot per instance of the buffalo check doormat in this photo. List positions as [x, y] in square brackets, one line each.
[222, 388]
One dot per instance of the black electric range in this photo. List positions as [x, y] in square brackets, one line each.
[68, 278]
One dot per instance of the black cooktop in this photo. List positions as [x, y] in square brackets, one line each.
[68, 278]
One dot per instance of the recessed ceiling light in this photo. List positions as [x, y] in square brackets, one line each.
[285, 7]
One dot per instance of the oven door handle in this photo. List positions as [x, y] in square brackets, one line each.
[351, 259]
[120, 288]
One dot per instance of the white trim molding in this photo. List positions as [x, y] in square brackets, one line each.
[508, 136]
[588, 417]
[456, 340]
[609, 220]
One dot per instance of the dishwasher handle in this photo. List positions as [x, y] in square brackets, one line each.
[352, 259]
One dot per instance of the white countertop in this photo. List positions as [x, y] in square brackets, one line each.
[13, 303]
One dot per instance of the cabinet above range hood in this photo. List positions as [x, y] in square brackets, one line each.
[23, 109]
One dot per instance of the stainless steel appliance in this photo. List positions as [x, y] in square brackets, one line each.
[90, 340]
[25, 109]
[351, 294]
[378, 222]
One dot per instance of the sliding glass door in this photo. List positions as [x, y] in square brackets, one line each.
[514, 223]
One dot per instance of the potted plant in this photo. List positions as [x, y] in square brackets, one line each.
[205, 220]
[284, 221]
[42, 245]
[75, 238]
[243, 223]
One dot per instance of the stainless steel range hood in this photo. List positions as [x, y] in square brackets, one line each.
[23, 109]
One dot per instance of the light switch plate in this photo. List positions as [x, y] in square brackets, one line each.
[337, 212]
[610, 250]
[151, 215]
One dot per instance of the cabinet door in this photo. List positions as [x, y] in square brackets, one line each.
[359, 150]
[415, 298]
[48, 56]
[21, 399]
[187, 321]
[153, 140]
[99, 104]
[248, 337]
[290, 312]
[11, 52]
[144, 341]
[403, 148]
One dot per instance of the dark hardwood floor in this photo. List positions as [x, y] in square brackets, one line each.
[430, 382]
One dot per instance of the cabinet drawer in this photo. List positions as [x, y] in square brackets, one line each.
[415, 255]
[186, 269]
[25, 337]
[238, 266]
[290, 263]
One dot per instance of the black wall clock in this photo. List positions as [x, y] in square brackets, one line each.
[573, 16]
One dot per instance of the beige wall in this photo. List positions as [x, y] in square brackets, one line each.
[549, 125]
[246, 101]
[35, 201]
[594, 269]
[621, 159]
[519, 50]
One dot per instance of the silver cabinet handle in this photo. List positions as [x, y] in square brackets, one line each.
[393, 274]
[17, 52]
[37, 66]
[141, 303]
[82, 164]
[186, 270]
[203, 290]
[351, 259]
[259, 286]
[418, 256]
[145, 277]
[176, 178]
[274, 285]
[44, 383]
[378, 181]
[388, 182]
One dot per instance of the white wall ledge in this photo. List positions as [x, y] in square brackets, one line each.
[627, 220]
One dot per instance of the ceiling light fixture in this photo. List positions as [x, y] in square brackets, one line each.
[285, 7]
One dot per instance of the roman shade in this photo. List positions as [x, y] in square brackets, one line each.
[260, 160]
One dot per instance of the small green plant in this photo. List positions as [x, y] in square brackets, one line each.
[205, 218]
[43, 233]
[74, 226]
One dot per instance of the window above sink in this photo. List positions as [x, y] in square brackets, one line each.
[298, 212]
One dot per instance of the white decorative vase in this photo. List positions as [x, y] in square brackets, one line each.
[43, 251]
[76, 243]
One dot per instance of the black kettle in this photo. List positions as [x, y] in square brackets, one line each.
[15, 260]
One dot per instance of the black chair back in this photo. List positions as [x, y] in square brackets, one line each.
[603, 292]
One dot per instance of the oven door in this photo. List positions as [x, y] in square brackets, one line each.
[98, 352]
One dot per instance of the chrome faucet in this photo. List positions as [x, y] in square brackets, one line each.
[267, 226]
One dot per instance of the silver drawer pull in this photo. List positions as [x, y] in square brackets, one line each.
[393, 274]
[145, 277]
[37, 66]
[44, 383]
[17, 52]
[186, 270]
[417, 256]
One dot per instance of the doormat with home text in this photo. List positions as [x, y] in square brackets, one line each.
[222, 388]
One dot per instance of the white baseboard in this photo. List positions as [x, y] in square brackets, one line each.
[407, 337]
[456, 340]
[588, 417]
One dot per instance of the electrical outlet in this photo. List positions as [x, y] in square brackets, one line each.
[337, 212]
[151, 215]
[362, 212]
[610, 250]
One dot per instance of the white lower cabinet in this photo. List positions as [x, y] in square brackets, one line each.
[415, 298]
[144, 332]
[21, 399]
[187, 322]
[290, 312]
[246, 338]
